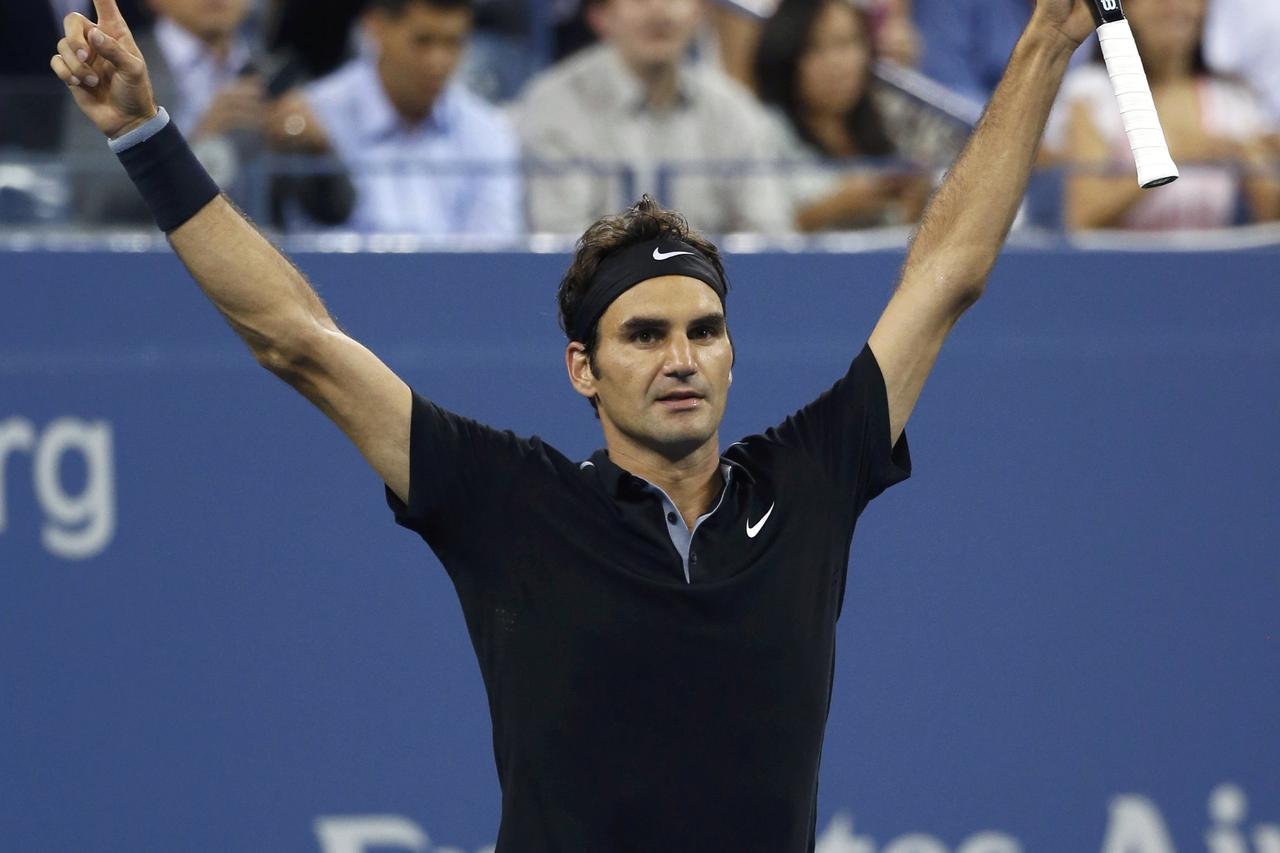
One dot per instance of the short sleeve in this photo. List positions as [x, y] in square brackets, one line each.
[459, 469]
[845, 431]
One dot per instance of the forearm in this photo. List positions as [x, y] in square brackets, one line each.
[966, 222]
[260, 293]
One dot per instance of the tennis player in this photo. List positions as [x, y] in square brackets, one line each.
[655, 625]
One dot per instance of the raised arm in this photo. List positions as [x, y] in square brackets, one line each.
[264, 298]
[966, 222]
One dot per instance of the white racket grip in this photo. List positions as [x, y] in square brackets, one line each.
[1137, 109]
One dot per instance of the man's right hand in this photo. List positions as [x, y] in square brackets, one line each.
[105, 71]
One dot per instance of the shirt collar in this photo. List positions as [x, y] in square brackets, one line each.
[183, 51]
[629, 91]
[618, 482]
[379, 117]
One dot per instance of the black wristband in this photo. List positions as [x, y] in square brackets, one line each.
[172, 182]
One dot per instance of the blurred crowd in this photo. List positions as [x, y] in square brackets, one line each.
[498, 118]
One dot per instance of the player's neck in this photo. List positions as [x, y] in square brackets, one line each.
[692, 481]
[661, 82]
[407, 104]
[832, 133]
[1167, 68]
[218, 44]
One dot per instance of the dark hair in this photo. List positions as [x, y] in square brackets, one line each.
[644, 220]
[396, 8]
[783, 41]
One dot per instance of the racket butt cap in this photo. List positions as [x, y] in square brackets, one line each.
[1157, 171]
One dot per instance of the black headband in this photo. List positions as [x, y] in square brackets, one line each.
[624, 269]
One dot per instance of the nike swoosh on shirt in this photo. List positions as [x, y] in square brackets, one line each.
[752, 530]
[662, 256]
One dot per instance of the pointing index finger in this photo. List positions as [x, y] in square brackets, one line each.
[108, 12]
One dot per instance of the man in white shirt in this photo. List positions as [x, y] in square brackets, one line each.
[631, 115]
[425, 155]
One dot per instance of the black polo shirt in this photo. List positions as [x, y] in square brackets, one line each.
[635, 710]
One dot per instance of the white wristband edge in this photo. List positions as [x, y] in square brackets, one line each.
[141, 133]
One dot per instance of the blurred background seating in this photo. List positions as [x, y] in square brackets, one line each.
[762, 116]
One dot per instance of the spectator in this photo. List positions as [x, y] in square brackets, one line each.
[204, 70]
[1206, 118]
[497, 62]
[634, 102]
[425, 155]
[738, 25]
[814, 67]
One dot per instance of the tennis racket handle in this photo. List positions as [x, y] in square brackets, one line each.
[1137, 109]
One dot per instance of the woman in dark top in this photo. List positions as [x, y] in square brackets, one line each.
[813, 66]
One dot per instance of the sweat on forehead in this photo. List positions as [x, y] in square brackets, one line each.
[624, 269]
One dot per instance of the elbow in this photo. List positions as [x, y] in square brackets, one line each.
[278, 360]
[289, 355]
[959, 277]
[966, 298]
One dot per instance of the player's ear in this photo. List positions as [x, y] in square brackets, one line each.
[578, 365]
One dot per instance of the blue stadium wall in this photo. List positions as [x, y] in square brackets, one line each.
[1061, 634]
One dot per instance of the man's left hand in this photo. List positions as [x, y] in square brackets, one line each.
[1069, 18]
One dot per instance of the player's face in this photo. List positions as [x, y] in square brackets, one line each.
[648, 33]
[833, 70]
[663, 360]
[418, 50]
[1166, 26]
[206, 19]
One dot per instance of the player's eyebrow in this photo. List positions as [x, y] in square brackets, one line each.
[635, 324]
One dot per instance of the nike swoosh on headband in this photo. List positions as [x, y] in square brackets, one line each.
[752, 530]
[659, 255]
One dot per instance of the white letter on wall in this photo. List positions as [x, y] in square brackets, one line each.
[15, 434]
[916, 843]
[353, 834]
[838, 837]
[1136, 826]
[989, 842]
[94, 511]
